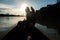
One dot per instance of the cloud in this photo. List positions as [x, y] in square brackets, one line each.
[5, 6]
[8, 8]
[12, 10]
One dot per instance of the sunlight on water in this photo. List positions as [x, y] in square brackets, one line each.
[8, 22]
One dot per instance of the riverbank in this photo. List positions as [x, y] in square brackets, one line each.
[51, 33]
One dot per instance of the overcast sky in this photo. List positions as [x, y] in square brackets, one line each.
[36, 4]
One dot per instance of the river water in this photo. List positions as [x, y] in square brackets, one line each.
[7, 22]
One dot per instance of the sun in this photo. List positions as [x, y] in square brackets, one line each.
[23, 7]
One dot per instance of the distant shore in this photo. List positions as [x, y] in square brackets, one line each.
[7, 15]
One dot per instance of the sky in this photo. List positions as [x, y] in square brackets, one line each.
[16, 4]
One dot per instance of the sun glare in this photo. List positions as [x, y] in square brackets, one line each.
[23, 7]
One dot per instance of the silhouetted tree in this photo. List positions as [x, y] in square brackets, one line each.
[32, 9]
[50, 16]
[27, 10]
[30, 14]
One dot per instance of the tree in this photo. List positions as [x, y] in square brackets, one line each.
[32, 9]
[27, 10]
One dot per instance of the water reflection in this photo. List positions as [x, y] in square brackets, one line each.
[8, 22]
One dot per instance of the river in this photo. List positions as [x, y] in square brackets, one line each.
[7, 23]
